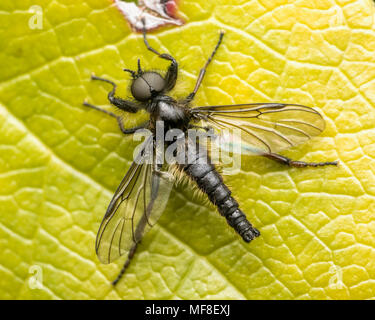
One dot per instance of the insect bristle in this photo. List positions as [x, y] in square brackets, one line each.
[200, 196]
[181, 178]
[184, 182]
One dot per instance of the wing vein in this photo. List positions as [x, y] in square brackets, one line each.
[243, 129]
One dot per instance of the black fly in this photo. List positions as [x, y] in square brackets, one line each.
[138, 202]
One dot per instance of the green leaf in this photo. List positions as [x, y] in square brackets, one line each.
[60, 162]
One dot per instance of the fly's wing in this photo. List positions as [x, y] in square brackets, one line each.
[261, 127]
[135, 207]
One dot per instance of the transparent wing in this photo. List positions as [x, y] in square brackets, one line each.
[262, 127]
[135, 207]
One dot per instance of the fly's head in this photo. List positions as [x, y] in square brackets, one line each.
[146, 85]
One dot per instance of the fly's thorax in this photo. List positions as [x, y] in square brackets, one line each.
[169, 112]
[173, 115]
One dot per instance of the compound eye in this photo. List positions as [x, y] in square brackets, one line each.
[140, 89]
[155, 80]
[147, 84]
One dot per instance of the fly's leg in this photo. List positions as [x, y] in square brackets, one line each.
[137, 235]
[164, 175]
[206, 132]
[140, 229]
[126, 264]
[206, 128]
[171, 76]
[202, 72]
[298, 164]
[138, 232]
[118, 118]
[125, 105]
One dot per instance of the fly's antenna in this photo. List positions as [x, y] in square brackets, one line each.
[133, 73]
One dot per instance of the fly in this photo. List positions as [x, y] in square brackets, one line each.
[266, 129]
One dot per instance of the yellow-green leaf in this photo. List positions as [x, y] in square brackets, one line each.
[60, 163]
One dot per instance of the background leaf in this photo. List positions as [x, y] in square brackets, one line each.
[60, 163]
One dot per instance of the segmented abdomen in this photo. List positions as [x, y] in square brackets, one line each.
[210, 182]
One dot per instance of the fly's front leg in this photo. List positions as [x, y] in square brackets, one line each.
[171, 76]
[125, 105]
[202, 72]
[118, 118]
[298, 164]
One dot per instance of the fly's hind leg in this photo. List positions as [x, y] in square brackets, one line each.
[205, 128]
[126, 264]
[118, 118]
[298, 164]
[137, 236]
[202, 72]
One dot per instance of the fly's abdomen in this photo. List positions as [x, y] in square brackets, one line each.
[211, 183]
